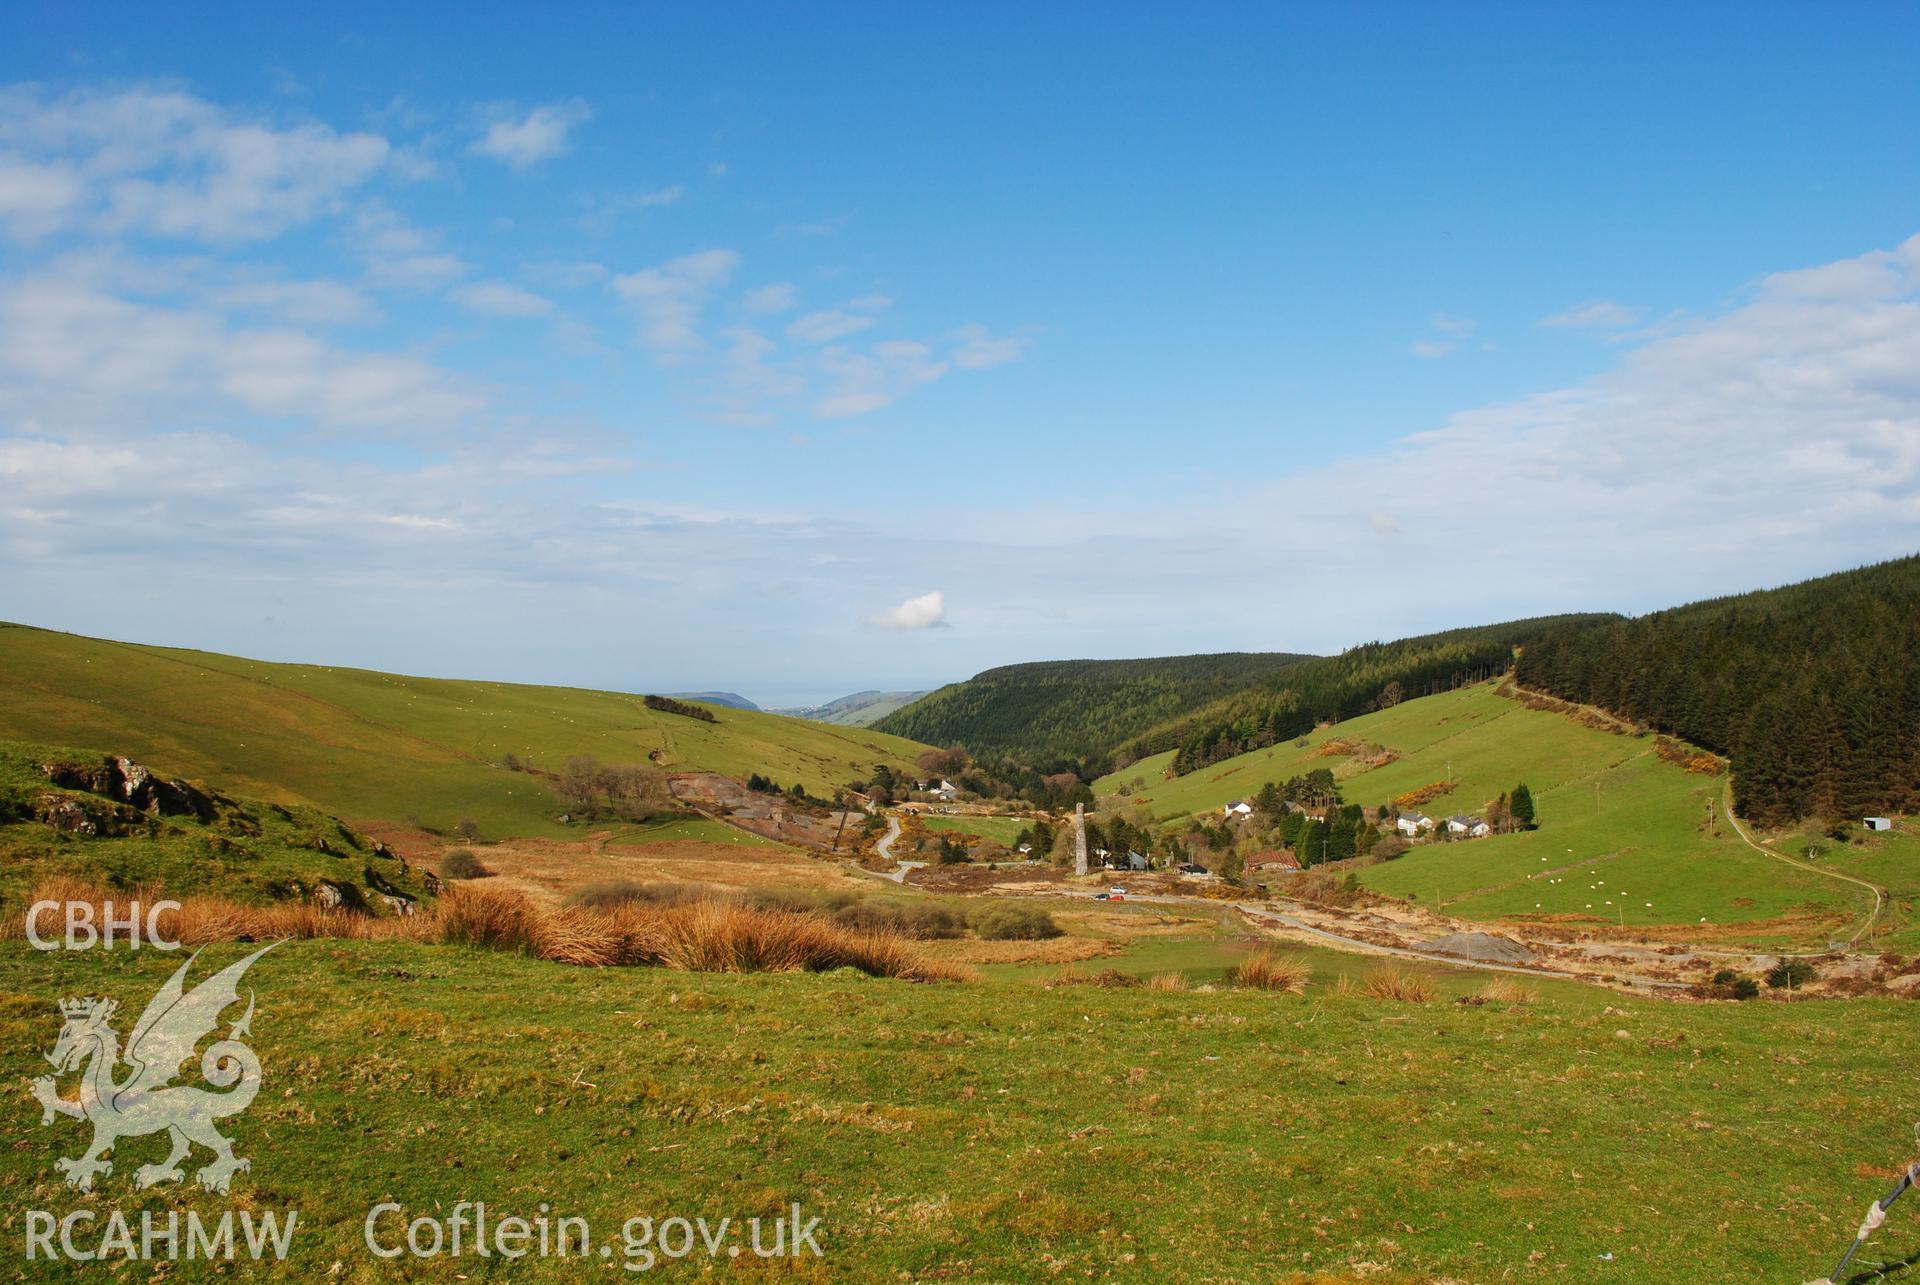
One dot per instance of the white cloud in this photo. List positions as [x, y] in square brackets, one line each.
[825, 327]
[77, 360]
[928, 611]
[525, 141]
[161, 162]
[399, 255]
[305, 303]
[604, 213]
[976, 348]
[500, 299]
[1596, 314]
[1450, 333]
[35, 199]
[671, 296]
[861, 383]
[781, 296]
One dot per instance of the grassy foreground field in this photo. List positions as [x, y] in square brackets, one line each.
[372, 746]
[1005, 1131]
[1621, 839]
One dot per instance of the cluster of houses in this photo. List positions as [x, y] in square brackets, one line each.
[1415, 824]
[1411, 824]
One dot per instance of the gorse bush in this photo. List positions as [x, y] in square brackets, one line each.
[1791, 973]
[1014, 923]
[924, 921]
[460, 863]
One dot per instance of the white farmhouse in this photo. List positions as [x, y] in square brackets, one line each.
[1473, 827]
[1412, 824]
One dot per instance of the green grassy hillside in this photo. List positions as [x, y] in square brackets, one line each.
[66, 813]
[373, 746]
[1619, 826]
[1004, 1131]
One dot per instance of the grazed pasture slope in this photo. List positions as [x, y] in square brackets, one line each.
[1619, 824]
[374, 746]
[1004, 1131]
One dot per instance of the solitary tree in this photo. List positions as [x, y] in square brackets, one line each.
[1521, 806]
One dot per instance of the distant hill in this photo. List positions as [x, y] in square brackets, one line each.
[1813, 689]
[1076, 709]
[385, 747]
[1330, 689]
[862, 709]
[732, 700]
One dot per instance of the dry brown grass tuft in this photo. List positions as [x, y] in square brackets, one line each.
[699, 936]
[1390, 981]
[1173, 981]
[1504, 990]
[1267, 971]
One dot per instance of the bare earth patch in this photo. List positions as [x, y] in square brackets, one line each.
[1058, 950]
[548, 870]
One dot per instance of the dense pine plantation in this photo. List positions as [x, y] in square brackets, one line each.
[1813, 690]
[1076, 709]
[1334, 688]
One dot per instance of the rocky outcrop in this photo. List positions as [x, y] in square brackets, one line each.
[121, 779]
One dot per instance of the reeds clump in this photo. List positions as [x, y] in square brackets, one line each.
[1505, 990]
[1390, 981]
[1267, 971]
[704, 935]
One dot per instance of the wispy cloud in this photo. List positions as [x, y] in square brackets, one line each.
[1596, 314]
[603, 213]
[1449, 334]
[669, 299]
[825, 327]
[781, 296]
[523, 141]
[502, 299]
[161, 162]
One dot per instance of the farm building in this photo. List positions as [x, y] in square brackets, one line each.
[1412, 823]
[1275, 862]
[1192, 871]
[1878, 823]
[1473, 827]
[1237, 808]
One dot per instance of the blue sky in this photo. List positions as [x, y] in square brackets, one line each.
[827, 348]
